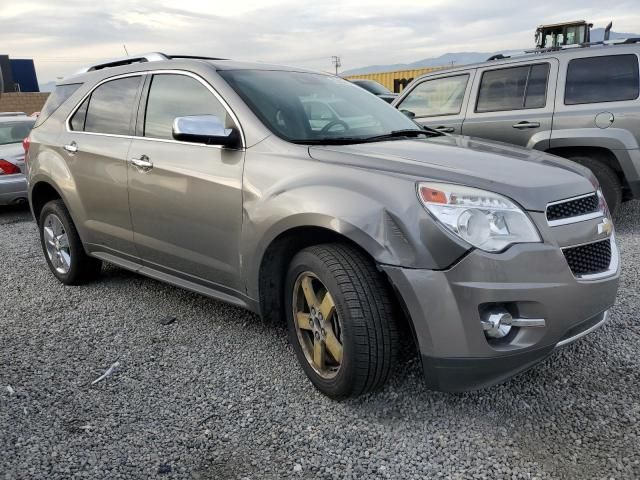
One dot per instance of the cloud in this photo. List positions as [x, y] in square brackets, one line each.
[63, 37]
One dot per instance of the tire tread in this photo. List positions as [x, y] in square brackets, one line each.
[371, 312]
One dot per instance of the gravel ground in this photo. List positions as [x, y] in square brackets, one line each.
[218, 394]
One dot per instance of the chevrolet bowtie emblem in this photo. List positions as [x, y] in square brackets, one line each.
[605, 227]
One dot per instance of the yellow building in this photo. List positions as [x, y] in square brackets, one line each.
[394, 81]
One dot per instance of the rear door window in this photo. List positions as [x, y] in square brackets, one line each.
[513, 88]
[609, 78]
[440, 96]
[111, 107]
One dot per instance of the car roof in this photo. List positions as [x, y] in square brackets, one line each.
[160, 61]
[234, 65]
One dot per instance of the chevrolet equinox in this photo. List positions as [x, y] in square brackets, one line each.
[300, 196]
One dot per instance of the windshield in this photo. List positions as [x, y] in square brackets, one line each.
[316, 108]
[15, 132]
[373, 87]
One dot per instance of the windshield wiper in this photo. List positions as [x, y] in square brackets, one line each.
[331, 141]
[405, 133]
[408, 132]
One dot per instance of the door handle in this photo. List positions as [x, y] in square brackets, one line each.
[142, 162]
[444, 129]
[523, 125]
[71, 147]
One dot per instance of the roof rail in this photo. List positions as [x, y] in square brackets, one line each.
[147, 57]
[196, 57]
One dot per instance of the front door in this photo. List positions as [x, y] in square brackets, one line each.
[96, 152]
[186, 204]
[513, 104]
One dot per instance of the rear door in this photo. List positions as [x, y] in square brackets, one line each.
[513, 103]
[186, 206]
[95, 145]
[439, 101]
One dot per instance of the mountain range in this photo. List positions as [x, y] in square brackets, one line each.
[463, 58]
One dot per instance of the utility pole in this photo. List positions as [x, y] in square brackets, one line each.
[336, 61]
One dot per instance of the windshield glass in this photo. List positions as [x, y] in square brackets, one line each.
[313, 108]
[15, 132]
[373, 87]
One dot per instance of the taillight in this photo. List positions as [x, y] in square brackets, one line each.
[7, 168]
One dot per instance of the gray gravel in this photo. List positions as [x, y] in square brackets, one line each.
[218, 394]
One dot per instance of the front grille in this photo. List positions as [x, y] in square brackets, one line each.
[589, 259]
[573, 208]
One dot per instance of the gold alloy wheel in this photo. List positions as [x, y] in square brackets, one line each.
[318, 325]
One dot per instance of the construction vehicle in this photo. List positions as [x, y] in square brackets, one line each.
[560, 35]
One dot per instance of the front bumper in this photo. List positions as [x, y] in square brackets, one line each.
[531, 280]
[13, 189]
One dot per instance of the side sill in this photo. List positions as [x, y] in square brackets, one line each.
[238, 300]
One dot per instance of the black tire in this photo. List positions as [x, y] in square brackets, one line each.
[607, 177]
[366, 310]
[83, 268]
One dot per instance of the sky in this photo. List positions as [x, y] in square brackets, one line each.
[63, 36]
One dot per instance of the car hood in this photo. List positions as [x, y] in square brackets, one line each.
[530, 177]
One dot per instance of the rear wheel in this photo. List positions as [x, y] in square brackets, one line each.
[341, 320]
[62, 247]
[607, 177]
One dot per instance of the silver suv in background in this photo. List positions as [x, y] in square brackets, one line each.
[14, 128]
[579, 103]
[216, 176]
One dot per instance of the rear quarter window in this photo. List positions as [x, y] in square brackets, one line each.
[60, 95]
[609, 78]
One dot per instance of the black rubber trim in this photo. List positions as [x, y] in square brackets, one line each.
[465, 374]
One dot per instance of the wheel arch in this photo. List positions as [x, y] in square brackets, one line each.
[599, 153]
[40, 194]
[288, 238]
[278, 255]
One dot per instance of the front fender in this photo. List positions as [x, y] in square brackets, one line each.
[378, 211]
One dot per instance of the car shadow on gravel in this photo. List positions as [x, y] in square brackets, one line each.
[14, 214]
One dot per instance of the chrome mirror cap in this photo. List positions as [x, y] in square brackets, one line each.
[207, 129]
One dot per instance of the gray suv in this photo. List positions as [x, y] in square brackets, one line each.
[360, 231]
[579, 103]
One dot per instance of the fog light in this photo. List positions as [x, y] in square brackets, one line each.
[497, 325]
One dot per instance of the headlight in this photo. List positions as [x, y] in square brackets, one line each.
[484, 219]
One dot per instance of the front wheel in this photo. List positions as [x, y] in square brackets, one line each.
[341, 320]
[63, 248]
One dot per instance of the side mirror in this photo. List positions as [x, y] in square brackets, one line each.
[207, 129]
[409, 114]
